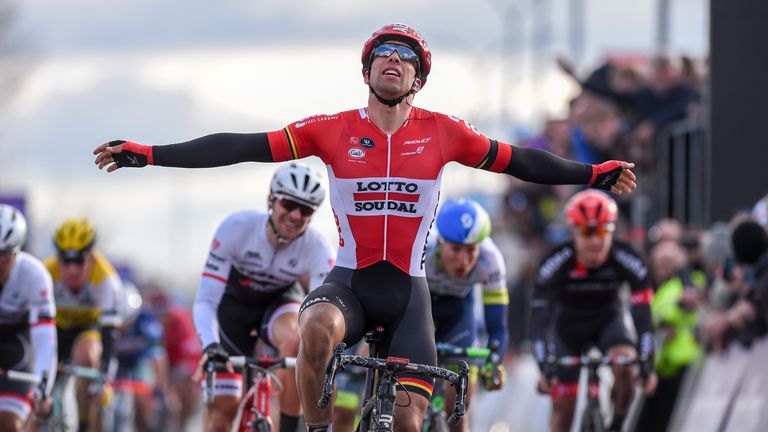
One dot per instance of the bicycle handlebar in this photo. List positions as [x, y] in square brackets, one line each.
[265, 363]
[20, 376]
[339, 360]
[450, 350]
[587, 360]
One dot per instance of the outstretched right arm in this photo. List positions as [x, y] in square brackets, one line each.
[205, 152]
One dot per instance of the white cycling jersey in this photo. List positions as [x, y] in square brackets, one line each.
[489, 274]
[27, 295]
[241, 258]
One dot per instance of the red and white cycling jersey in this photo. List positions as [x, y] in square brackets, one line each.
[384, 188]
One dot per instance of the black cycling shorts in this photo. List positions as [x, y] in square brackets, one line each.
[603, 330]
[15, 355]
[241, 323]
[383, 295]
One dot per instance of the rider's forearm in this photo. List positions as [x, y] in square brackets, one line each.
[540, 317]
[641, 315]
[214, 150]
[539, 166]
[108, 342]
[496, 324]
[43, 338]
[205, 309]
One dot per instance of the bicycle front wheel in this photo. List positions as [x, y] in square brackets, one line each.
[593, 419]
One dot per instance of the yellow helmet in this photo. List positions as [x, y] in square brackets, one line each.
[75, 237]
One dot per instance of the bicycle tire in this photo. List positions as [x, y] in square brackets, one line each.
[436, 422]
[593, 419]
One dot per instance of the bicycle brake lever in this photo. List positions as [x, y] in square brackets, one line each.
[330, 375]
[459, 406]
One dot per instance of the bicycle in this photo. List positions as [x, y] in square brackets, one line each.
[40, 382]
[378, 404]
[435, 419]
[592, 417]
[253, 412]
[121, 412]
[58, 421]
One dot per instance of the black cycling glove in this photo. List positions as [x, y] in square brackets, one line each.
[133, 155]
[606, 174]
[216, 353]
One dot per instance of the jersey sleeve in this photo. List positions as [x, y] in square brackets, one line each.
[465, 144]
[42, 308]
[309, 136]
[214, 282]
[42, 312]
[495, 294]
[542, 301]
[641, 294]
[323, 260]
[110, 293]
[468, 146]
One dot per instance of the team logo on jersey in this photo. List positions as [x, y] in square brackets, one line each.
[356, 153]
[354, 140]
[293, 262]
[366, 142]
[418, 150]
[418, 141]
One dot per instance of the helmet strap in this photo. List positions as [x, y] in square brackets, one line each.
[395, 101]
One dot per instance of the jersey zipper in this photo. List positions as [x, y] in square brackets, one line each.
[386, 193]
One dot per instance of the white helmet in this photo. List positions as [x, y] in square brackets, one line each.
[298, 182]
[13, 228]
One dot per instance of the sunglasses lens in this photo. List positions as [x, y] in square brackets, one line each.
[76, 261]
[405, 53]
[600, 230]
[290, 206]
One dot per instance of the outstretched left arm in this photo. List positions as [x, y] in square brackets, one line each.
[540, 166]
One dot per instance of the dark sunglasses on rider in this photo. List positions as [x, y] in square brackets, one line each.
[405, 53]
[76, 260]
[599, 230]
[290, 205]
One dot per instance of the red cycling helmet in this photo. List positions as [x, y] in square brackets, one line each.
[403, 33]
[591, 208]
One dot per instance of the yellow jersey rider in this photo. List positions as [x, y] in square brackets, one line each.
[88, 290]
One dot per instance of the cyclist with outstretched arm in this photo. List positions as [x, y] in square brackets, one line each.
[384, 163]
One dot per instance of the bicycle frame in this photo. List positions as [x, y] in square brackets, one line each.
[592, 416]
[254, 412]
[435, 419]
[377, 410]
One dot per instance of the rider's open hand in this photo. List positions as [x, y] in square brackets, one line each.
[614, 176]
[119, 153]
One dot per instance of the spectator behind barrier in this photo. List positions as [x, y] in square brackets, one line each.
[750, 249]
